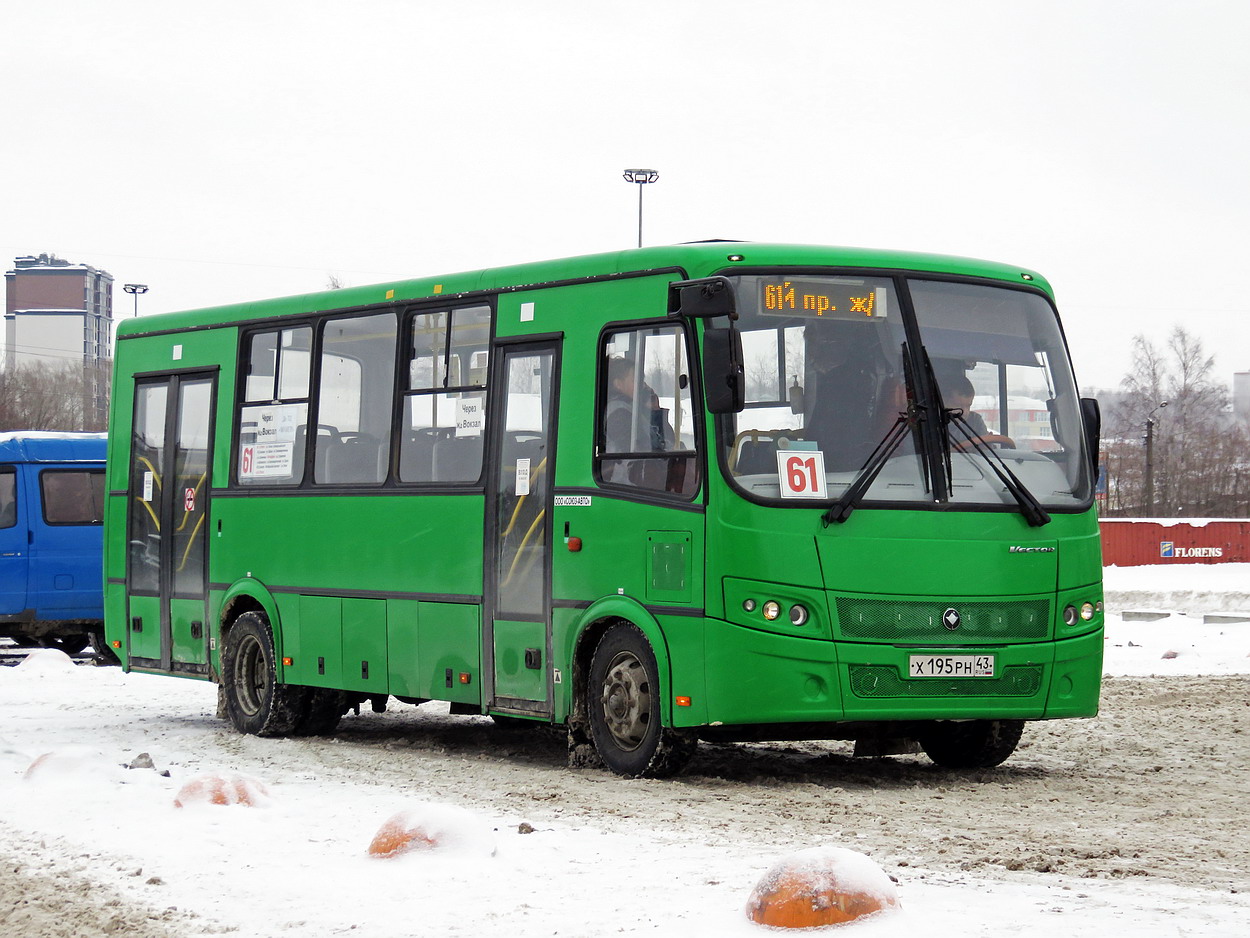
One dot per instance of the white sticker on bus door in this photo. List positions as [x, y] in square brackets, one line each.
[801, 473]
[522, 476]
[147, 487]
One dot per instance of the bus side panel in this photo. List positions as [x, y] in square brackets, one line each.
[403, 664]
[757, 677]
[364, 646]
[449, 649]
[312, 639]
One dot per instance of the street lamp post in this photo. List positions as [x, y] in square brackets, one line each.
[1150, 466]
[641, 177]
[134, 289]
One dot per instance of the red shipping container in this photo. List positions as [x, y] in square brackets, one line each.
[1129, 542]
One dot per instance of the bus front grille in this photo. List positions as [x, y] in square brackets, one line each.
[889, 620]
[870, 680]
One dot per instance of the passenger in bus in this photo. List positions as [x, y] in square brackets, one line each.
[958, 394]
[851, 398]
[634, 422]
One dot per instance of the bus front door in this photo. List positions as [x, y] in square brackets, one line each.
[167, 536]
[517, 617]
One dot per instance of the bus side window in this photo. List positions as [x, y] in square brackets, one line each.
[445, 396]
[646, 427]
[356, 385]
[273, 415]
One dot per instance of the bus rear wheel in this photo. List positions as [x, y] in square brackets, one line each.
[255, 702]
[972, 744]
[623, 704]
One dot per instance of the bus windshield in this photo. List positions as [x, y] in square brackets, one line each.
[829, 379]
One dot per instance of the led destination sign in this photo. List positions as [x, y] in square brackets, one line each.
[840, 299]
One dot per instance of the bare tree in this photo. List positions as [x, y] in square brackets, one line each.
[62, 396]
[1172, 447]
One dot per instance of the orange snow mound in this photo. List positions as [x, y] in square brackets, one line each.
[72, 765]
[398, 836]
[821, 886]
[444, 828]
[221, 788]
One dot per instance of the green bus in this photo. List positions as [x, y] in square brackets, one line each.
[720, 491]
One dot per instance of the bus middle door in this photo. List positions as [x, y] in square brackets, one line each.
[517, 616]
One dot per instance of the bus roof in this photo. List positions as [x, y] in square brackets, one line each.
[697, 259]
[51, 446]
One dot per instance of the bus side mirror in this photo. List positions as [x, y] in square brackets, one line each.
[1091, 418]
[724, 378]
[702, 299]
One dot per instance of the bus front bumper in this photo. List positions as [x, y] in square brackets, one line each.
[757, 677]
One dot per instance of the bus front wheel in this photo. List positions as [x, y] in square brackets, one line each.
[971, 744]
[623, 705]
[255, 702]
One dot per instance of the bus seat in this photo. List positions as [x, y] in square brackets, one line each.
[458, 459]
[757, 455]
[416, 455]
[523, 446]
[357, 459]
[754, 451]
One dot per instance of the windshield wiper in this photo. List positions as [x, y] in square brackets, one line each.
[841, 510]
[1030, 507]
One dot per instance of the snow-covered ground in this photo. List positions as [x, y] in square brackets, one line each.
[298, 865]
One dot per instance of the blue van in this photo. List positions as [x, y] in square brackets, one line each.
[51, 537]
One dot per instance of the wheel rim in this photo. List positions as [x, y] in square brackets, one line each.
[626, 700]
[252, 676]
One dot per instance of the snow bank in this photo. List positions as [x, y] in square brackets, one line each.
[43, 660]
[1192, 588]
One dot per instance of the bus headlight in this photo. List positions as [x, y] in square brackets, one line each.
[798, 614]
[1069, 615]
[772, 609]
[748, 605]
[1087, 611]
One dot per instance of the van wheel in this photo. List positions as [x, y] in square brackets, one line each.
[974, 744]
[623, 703]
[255, 702]
[70, 644]
[103, 650]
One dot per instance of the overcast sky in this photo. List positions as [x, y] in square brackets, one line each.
[226, 150]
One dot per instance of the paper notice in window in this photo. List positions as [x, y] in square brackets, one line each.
[522, 477]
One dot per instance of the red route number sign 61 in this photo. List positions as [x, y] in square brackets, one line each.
[801, 473]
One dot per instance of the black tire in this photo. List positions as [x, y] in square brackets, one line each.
[70, 644]
[973, 744]
[103, 651]
[322, 712]
[623, 705]
[255, 702]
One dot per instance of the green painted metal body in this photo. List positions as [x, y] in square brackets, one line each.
[383, 591]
